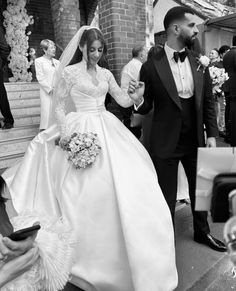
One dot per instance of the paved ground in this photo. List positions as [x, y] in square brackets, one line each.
[199, 267]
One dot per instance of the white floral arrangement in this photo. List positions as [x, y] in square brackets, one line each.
[218, 76]
[203, 62]
[16, 20]
[82, 148]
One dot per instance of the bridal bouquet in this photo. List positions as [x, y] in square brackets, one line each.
[218, 76]
[82, 148]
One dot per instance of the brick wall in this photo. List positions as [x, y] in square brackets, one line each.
[42, 27]
[123, 23]
[66, 20]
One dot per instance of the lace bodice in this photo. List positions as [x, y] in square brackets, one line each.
[88, 97]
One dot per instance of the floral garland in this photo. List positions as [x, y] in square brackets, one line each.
[16, 20]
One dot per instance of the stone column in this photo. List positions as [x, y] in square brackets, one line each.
[66, 20]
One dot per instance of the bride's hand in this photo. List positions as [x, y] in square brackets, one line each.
[136, 91]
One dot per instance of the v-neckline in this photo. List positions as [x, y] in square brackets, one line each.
[92, 80]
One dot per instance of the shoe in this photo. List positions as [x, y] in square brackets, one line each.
[7, 125]
[211, 242]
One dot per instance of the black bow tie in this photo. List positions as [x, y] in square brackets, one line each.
[180, 55]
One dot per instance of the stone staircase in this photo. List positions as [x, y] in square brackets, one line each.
[25, 107]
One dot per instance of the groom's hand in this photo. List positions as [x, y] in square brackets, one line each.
[136, 91]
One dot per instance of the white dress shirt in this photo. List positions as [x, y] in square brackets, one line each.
[182, 73]
[129, 72]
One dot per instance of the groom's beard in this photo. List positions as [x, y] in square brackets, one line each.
[187, 41]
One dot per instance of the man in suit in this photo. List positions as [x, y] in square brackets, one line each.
[4, 104]
[183, 103]
[229, 63]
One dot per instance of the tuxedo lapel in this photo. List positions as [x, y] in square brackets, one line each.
[197, 79]
[163, 69]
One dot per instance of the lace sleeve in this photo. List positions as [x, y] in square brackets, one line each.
[121, 96]
[62, 93]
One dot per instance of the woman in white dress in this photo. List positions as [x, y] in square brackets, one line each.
[45, 67]
[123, 227]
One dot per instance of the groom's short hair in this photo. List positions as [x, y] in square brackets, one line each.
[176, 13]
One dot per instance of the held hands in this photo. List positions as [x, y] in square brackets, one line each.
[136, 91]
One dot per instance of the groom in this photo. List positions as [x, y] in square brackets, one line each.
[183, 104]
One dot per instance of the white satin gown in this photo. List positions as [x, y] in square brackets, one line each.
[123, 227]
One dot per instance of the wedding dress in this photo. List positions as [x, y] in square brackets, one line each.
[123, 227]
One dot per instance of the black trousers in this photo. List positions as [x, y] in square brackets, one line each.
[4, 104]
[167, 172]
[233, 122]
[227, 114]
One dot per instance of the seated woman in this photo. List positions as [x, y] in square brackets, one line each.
[32, 264]
[15, 257]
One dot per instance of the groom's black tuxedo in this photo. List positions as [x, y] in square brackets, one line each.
[169, 140]
[160, 91]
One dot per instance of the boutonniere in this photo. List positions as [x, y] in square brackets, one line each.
[203, 63]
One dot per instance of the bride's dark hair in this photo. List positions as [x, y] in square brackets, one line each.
[88, 37]
[2, 185]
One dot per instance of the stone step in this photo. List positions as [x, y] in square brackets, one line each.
[27, 110]
[20, 131]
[28, 119]
[21, 86]
[15, 146]
[23, 95]
[9, 160]
[24, 102]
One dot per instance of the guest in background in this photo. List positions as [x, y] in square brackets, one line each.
[131, 71]
[31, 59]
[214, 57]
[225, 87]
[4, 104]
[229, 62]
[219, 99]
[223, 50]
[45, 67]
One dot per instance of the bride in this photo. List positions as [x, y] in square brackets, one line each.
[123, 227]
